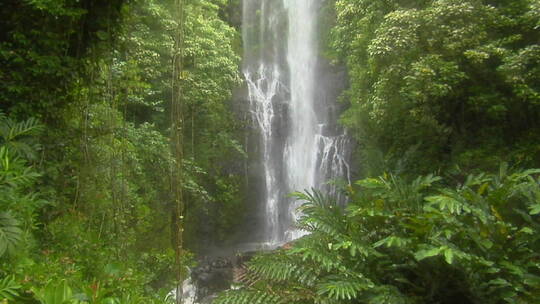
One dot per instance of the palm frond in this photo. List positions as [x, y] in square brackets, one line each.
[17, 136]
[344, 288]
[9, 288]
[11, 130]
[10, 233]
[281, 268]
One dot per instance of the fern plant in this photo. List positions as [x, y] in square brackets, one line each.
[410, 242]
[10, 233]
[56, 293]
[14, 172]
[9, 289]
[18, 136]
[17, 204]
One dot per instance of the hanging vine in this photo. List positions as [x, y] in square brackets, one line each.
[177, 144]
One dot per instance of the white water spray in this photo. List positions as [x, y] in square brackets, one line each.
[281, 66]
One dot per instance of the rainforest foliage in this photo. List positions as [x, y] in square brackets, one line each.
[444, 104]
[435, 83]
[463, 239]
[85, 200]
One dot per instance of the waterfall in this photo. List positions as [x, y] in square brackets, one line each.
[301, 147]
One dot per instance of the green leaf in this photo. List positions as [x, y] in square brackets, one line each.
[424, 254]
[532, 280]
[392, 241]
[345, 288]
[449, 256]
[370, 183]
[534, 209]
[527, 230]
[9, 288]
[55, 293]
[10, 233]
[499, 282]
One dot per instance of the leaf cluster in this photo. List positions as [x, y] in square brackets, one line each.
[410, 242]
[457, 80]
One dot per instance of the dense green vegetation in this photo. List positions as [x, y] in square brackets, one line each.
[85, 199]
[443, 101]
[424, 241]
[444, 81]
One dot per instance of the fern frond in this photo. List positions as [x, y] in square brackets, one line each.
[10, 233]
[15, 135]
[393, 241]
[281, 268]
[344, 288]
[324, 258]
[322, 216]
[249, 297]
[448, 202]
[387, 294]
[11, 130]
[9, 288]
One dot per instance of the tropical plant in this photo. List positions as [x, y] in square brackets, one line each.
[17, 204]
[9, 288]
[416, 242]
[457, 78]
[55, 293]
[14, 172]
[98, 76]
[10, 233]
[18, 136]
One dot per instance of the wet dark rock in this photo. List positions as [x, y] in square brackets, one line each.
[214, 275]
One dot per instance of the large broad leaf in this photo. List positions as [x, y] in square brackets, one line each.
[10, 233]
[55, 293]
[427, 253]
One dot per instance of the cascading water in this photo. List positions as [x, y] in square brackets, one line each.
[301, 146]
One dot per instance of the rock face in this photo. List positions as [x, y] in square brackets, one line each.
[214, 275]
